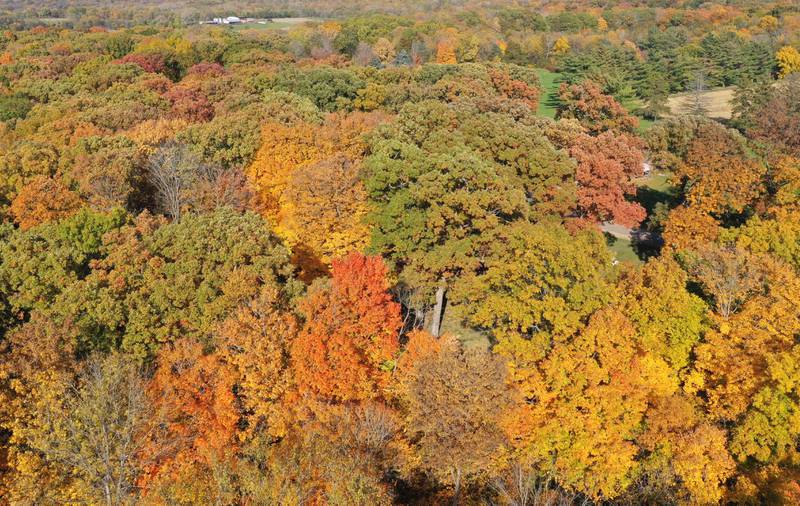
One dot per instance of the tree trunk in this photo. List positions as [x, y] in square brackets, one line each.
[437, 312]
[107, 492]
[457, 486]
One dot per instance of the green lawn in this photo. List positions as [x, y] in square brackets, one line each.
[657, 181]
[451, 324]
[548, 102]
[622, 249]
[550, 81]
[652, 189]
[644, 124]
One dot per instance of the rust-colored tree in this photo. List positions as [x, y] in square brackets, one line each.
[190, 104]
[193, 392]
[607, 165]
[595, 111]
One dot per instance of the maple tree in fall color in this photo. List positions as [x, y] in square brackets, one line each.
[595, 384]
[190, 104]
[148, 62]
[688, 226]
[344, 350]
[445, 50]
[326, 187]
[685, 448]
[255, 341]
[328, 204]
[193, 392]
[717, 174]
[286, 148]
[748, 362]
[39, 363]
[514, 88]
[788, 60]
[41, 200]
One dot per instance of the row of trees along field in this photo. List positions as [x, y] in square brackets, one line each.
[352, 262]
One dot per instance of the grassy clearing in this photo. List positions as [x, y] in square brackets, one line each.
[548, 102]
[718, 102]
[622, 249]
[644, 125]
[657, 182]
[451, 324]
[652, 189]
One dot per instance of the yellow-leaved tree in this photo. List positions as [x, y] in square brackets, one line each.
[446, 48]
[561, 45]
[306, 178]
[788, 60]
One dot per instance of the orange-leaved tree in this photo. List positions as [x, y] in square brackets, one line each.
[345, 350]
[717, 175]
[607, 165]
[41, 200]
[192, 392]
[255, 341]
[596, 111]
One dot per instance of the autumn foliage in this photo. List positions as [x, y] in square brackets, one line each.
[350, 338]
[148, 62]
[419, 253]
[42, 200]
[607, 165]
[193, 392]
[586, 103]
[306, 178]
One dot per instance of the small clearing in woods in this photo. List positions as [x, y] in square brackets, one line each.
[718, 102]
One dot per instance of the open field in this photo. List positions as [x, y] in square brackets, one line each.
[550, 81]
[718, 102]
[469, 337]
[274, 24]
[622, 249]
[653, 188]
[548, 102]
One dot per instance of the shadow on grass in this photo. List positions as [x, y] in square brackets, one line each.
[649, 197]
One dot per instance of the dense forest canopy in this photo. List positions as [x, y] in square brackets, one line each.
[374, 252]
